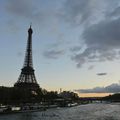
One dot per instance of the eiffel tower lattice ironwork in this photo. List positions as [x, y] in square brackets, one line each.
[27, 77]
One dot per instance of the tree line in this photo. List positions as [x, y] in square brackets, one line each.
[13, 95]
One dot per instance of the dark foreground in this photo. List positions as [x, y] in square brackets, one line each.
[82, 112]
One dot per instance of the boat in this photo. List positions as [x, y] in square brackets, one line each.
[20, 109]
[72, 104]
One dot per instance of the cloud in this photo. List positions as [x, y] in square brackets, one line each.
[33, 11]
[102, 43]
[20, 8]
[90, 67]
[114, 13]
[75, 12]
[86, 11]
[100, 31]
[100, 24]
[75, 49]
[72, 11]
[53, 54]
[113, 88]
[79, 11]
[104, 33]
[101, 74]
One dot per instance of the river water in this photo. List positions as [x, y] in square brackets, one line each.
[82, 112]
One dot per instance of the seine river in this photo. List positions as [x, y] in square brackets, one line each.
[82, 112]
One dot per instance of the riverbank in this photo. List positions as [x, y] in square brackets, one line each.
[96, 111]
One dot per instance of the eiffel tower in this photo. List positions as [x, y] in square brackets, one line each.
[27, 79]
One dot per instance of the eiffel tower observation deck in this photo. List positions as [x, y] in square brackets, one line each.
[27, 79]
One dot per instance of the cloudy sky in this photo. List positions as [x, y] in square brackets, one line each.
[76, 43]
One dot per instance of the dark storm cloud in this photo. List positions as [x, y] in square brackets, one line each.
[101, 29]
[106, 34]
[113, 88]
[102, 42]
[53, 54]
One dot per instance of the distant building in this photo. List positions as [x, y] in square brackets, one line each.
[68, 95]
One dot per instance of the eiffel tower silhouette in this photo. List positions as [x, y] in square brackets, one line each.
[27, 79]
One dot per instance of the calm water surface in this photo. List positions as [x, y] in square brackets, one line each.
[83, 112]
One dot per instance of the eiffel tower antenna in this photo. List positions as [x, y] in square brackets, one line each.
[30, 24]
[27, 77]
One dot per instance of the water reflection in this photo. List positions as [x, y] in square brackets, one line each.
[83, 112]
[25, 116]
